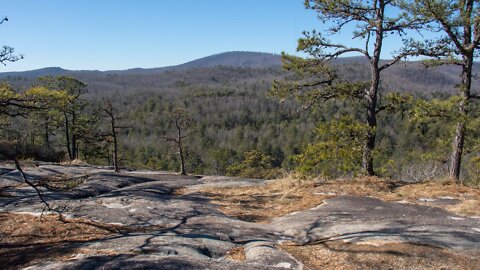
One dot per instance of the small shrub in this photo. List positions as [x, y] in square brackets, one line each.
[473, 171]
[337, 152]
[255, 165]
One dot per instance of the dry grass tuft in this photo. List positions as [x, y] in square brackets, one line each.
[358, 186]
[260, 203]
[24, 228]
[467, 207]
[341, 255]
[236, 254]
[26, 239]
[74, 162]
[62, 182]
[436, 189]
[180, 191]
[27, 162]
[394, 191]
[287, 195]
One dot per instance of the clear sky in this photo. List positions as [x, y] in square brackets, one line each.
[121, 34]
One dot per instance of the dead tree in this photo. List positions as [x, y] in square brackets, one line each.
[7, 53]
[180, 120]
[113, 117]
[17, 107]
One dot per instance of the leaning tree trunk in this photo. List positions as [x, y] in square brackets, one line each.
[459, 140]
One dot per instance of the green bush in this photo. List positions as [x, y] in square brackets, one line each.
[255, 165]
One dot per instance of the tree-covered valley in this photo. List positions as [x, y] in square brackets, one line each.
[238, 126]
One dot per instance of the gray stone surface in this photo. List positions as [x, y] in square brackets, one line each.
[145, 262]
[188, 232]
[356, 218]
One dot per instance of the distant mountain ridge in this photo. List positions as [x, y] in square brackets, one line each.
[229, 68]
[238, 59]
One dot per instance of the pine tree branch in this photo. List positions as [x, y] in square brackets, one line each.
[446, 26]
[397, 58]
[474, 96]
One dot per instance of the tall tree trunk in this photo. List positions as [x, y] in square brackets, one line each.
[32, 138]
[367, 158]
[459, 140]
[74, 137]
[115, 154]
[180, 152]
[67, 137]
[457, 152]
[182, 161]
[47, 131]
[77, 147]
[115, 145]
[371, 96]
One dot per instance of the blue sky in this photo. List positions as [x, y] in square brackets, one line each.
[121, 34]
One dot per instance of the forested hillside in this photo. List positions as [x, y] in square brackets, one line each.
[237, 128]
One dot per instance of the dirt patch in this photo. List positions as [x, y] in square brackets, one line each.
[341, 255]
[26, 239]
[261, 203]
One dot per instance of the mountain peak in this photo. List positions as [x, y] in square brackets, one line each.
[237, 59]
